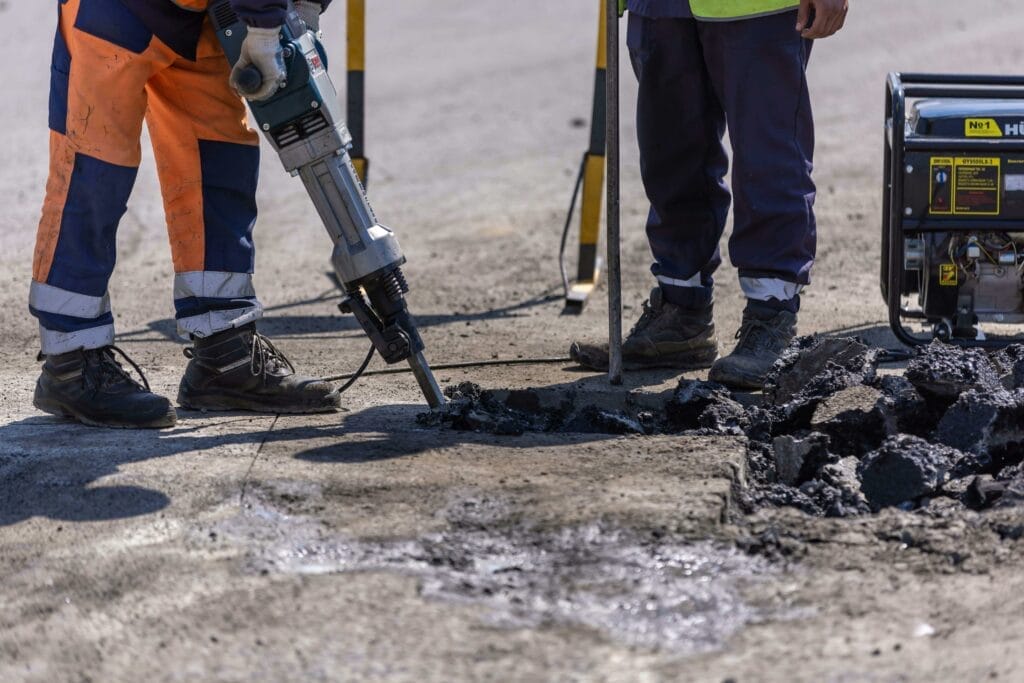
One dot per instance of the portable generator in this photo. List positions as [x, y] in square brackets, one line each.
[953, 207]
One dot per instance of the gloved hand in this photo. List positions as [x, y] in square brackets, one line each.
[310, 13]
[261, 49]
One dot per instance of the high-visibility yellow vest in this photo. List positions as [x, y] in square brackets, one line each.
[724, 10]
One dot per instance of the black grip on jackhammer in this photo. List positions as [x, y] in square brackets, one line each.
[249, 80]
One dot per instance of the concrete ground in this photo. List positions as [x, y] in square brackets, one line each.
[357, 546]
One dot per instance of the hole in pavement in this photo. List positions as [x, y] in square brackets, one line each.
[830, 435]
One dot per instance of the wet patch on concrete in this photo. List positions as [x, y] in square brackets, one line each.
[642, 589]
[830, 435]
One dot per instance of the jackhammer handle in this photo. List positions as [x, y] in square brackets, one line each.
[249, 80]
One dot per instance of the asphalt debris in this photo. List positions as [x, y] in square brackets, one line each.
[830, 435]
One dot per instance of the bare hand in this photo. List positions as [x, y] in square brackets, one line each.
[829, 17]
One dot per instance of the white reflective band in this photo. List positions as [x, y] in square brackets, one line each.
[210, 284]
[692, 282]
[50, 299]
[765, 288]
[54, 342]
[205, 324]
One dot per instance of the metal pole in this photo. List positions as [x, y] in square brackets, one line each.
[612, 136]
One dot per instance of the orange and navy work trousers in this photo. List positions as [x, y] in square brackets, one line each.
[109, 74]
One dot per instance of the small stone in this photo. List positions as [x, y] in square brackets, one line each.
[815, 367]
[709, 405]
[856, 418]
[799, 459]
[942, 372]
[903, 469]
[907, 407]
[984, 492]
[984, 423]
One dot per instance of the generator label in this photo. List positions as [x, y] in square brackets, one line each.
[940, 196]
[976, 185]
[947, 275]
[982, 128]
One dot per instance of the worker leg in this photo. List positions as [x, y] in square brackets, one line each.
[758, 67]
[102, 58]
[680, 125]
[208, 164]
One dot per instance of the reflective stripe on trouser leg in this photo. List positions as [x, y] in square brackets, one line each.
[208, 163]
[69, 321]
[207, 302]
[765, 289]
[102, 58]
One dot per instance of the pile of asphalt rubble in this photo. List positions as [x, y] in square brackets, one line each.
[830, 435]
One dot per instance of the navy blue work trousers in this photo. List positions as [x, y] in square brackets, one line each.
[696, 80]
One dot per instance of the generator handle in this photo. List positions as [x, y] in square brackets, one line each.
[958, 79]
[896, 130]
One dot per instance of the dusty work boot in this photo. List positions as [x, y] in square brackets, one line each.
[763, 335]
[239, 369]
[665, 336]
[91, 386]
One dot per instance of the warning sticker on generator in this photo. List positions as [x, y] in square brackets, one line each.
[976, 186]
[947, 275]
[940, 196]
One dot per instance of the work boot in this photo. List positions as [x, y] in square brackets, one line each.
[665, 336]
[91, 386]
[763, 335]
[239, 369]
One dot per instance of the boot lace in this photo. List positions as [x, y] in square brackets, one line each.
[647, 317]
[108, 372]
[266, 359]
[759, 335]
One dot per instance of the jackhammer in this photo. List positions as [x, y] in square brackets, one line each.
[303, 122]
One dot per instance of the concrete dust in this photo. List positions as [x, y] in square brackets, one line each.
[637, 589]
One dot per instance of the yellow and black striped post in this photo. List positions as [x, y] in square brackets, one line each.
[592, 173]
[356, 86]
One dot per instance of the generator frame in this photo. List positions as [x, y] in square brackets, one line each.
[896, 226]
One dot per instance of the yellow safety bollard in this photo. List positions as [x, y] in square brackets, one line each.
[591, 176]
[356, 86]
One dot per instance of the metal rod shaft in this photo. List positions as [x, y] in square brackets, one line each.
[612, 141]
[425, 378]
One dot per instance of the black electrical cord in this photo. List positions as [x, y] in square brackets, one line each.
[352, 377]
[568, 224]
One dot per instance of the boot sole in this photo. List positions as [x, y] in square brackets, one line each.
[59, 409]
[220, 402]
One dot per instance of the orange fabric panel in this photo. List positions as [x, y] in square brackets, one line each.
[194, 5]
[62, 161]
[191, 101]
[105, 109]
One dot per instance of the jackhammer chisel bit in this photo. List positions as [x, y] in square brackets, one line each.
[303, 122]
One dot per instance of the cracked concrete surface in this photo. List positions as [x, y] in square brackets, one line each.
[171, 556]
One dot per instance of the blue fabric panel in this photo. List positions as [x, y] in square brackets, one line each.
[661, 9]
[178, 28]
[186, 308]
[67, 323]
[230, 173]
[114, 23]
[261, 13]
[86, 249]
[60, 68]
